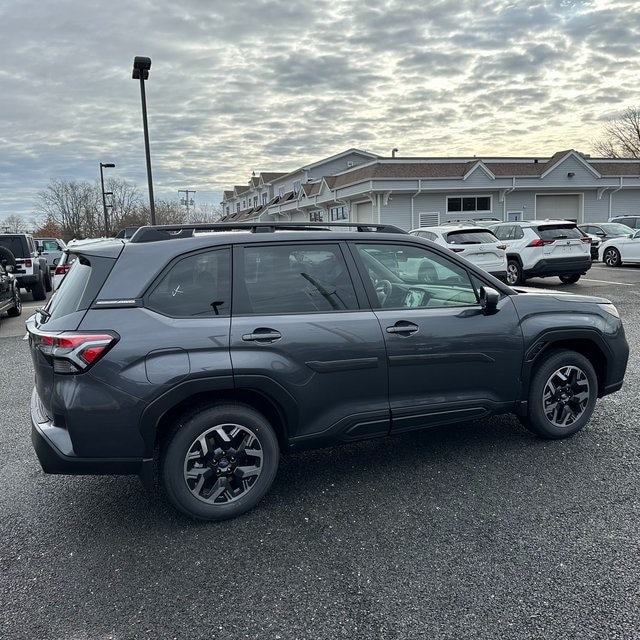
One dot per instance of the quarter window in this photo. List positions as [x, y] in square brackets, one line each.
[196, 286]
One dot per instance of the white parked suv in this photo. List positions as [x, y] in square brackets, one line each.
[477, 244]
[543, 248]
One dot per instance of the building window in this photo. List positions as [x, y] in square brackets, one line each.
[264, 197]
[228, 210]
[316, 216]
[296, 186]
[338, 213]
[281, 191]
[237, 207]
[255, 201]
[469, 204]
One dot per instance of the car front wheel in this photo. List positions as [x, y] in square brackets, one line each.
[219, 462]
[562, 395]
[611, 257]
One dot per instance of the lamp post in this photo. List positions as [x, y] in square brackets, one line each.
[141, 66]
[186, 198]
[105, 165]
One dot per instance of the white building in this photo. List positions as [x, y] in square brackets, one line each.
[358, 186]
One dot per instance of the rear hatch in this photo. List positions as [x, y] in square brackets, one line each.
[562, 240]
[479, 246]
[17, 246]
[57, 348]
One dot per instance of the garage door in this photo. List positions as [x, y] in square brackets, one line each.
[558, 207]
[363, 212]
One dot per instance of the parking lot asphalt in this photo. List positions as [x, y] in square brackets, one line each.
[475, 531]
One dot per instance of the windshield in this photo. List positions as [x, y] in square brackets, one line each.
[470, 236]
[612, 228]
[559, 232]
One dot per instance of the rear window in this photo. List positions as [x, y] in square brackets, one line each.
[470, 236]
[16, 245]
[559, 232]
[80, 286]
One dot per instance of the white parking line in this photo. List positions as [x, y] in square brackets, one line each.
[622, 284]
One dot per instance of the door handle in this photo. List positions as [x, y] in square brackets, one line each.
[262, 335]
[403, 327]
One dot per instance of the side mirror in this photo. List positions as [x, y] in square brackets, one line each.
[489, 298]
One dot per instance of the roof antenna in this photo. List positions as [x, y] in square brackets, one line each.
[393, 152]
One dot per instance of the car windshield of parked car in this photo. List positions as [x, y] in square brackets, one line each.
[470, 236]
[559, 232]
[615, 228]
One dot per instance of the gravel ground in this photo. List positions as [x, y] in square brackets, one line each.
[478, 531]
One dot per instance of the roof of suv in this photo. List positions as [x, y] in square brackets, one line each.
[536, 223]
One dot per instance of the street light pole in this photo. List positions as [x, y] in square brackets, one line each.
[105, 165]
[141, 66]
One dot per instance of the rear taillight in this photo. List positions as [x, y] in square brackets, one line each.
[61, 269]
[502, 246]
[28, 263]
[456, 249]
[72, 352]
[539, 242]
[586, 239]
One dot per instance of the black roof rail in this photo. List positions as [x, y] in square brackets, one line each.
[171, 231]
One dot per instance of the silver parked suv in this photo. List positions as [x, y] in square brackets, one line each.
[542, 248]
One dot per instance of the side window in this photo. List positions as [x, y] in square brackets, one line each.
[198, 285]
[406, 276]
[502, 233]
[296, 279]
[518, 233]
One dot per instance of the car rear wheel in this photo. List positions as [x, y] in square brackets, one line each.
[514, 273]
[562, 395]
[611, 257]
[16, 310]
[219, 462]
[37, 290]
[574, 277]
[47, 280]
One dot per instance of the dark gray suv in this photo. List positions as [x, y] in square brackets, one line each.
[208, 350]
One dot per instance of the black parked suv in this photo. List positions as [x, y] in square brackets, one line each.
[210, 349]
[31, 269]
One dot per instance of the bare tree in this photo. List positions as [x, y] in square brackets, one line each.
[13, 224]
[621, 136]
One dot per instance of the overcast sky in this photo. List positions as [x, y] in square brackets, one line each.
[270, 85]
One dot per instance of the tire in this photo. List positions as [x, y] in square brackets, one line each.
[47, 280]
[574, 277]
[562, 395]
[611, 257]
[37, 290]
[514, 273]
[232, 475]
[16, 310]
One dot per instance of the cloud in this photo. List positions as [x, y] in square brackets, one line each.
[275, 84]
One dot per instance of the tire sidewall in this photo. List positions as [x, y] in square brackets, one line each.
[181, 439]
[614, 254]
[517, 271]
[536, 418]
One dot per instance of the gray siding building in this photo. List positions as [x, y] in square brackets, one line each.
[358, 186]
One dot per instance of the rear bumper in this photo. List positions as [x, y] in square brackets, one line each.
[559, 267]
[54, 449]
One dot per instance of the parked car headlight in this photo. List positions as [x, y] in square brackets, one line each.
[610, 309]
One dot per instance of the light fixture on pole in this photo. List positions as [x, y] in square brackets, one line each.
[105, 165]
[186, 198]
[141, 66]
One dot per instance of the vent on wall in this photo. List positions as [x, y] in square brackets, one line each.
[429, 219]
[349, 163]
